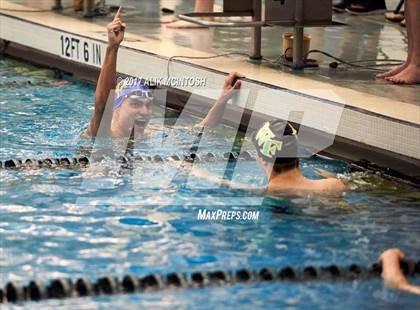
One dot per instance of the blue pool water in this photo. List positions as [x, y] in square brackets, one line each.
[104, 220]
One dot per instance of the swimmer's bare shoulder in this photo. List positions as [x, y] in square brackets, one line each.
[329, 186]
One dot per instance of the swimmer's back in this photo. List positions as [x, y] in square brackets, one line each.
[329, 186]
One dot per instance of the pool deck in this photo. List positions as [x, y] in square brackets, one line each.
[381, 120]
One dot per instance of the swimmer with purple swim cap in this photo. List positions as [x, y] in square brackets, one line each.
[132, 108]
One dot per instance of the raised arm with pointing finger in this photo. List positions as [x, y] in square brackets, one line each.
[108, 76]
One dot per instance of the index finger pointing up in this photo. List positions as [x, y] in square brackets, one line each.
[119, 12]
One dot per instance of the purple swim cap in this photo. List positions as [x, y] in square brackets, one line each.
[126, 87]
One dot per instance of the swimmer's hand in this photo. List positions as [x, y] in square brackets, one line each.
[116, 30]
[231, 84]
[391, 272]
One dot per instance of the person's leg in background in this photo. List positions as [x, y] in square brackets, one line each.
[410, 73]
[400, 68]
[78, 5]
[200, 6]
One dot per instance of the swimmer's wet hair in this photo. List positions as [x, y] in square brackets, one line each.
[276, 142]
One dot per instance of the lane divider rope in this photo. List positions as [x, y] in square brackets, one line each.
[111, 285]
[84, 161]
[127, 161]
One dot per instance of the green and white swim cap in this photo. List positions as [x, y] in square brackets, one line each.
[276, 141]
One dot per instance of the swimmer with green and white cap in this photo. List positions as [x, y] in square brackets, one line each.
[276, 143]
[132, 107]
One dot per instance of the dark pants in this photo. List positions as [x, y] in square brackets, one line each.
[370, 3]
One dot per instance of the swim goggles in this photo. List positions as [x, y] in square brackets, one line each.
[140, 94]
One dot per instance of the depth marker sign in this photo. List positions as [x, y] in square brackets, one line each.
[81, 50]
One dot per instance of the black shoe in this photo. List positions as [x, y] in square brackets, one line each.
[371, 7]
